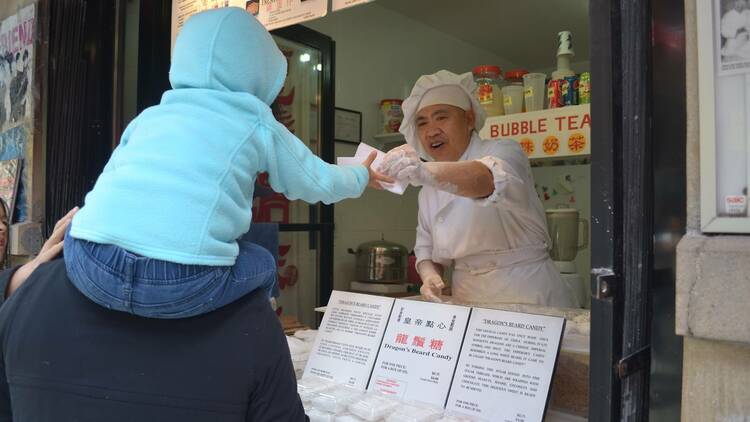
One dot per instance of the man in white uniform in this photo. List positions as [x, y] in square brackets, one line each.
[478, 208]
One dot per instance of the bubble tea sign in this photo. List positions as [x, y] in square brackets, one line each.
[553, 133]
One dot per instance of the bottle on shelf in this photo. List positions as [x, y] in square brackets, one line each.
[565, 54]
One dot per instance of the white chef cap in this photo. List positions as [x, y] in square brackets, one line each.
[447, 94]
[443, 87]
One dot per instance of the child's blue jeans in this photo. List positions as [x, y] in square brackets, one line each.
[123, 281]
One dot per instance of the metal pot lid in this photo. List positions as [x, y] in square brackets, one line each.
[382, 246]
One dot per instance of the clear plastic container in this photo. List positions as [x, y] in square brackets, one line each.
[309, 387]
[374, 406]
[317, 415]
[513, 99]
[415, 412]
[455, 417]
[349, 418]
[336, 400]
[490, 83]
[534, 90]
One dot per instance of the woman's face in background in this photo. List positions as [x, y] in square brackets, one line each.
[3, 233]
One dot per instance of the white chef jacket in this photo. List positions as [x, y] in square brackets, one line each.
[499, 245]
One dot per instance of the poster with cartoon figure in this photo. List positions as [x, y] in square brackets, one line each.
[17, 42]
[16, 64]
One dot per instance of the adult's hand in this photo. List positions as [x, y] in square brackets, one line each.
[376, 178]
[403, 163]
[50, 250]
[432, 281]
[432, 288]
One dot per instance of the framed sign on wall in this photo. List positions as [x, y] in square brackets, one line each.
[724, 102]
[348, 126]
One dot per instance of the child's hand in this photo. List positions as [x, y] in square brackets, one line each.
[375, 178]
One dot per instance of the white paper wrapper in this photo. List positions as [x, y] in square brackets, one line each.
[456, 418]
[348, 418]
[363, 150]
[317, 415]
[308, 388]
[374, 406]
[336, 400]
[414, 412]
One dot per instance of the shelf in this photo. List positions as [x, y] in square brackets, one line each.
[388, 141]
[390, 137]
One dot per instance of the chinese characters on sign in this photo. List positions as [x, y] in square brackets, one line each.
[496, 365]
[420, 350]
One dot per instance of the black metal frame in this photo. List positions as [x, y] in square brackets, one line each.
[321, 216]
[154, 46]
[622, 209]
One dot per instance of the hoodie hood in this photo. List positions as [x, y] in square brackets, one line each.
[228, 50]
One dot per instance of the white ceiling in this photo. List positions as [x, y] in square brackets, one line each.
[521, 31]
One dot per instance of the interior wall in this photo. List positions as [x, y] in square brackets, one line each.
[380, 54]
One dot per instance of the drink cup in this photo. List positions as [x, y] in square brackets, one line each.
[513, 99]
[534, 89]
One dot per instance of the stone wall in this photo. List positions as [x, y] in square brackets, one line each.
[713, 289]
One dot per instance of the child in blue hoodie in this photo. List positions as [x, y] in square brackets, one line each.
[158, 234]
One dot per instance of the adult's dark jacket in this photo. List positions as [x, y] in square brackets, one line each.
[65, 358]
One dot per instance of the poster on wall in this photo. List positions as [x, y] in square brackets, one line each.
[16, 68]
[10, 171]
[271, 13]
[732, 36]
[17, 57]
[343, 4]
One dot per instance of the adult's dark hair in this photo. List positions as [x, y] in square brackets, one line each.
[25, 54]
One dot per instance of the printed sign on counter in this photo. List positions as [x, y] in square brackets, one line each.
[505, 370]
[553, 133]
[420, 351]
[349, 337]
[343, 4]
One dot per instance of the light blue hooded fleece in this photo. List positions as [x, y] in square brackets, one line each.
[179, 187]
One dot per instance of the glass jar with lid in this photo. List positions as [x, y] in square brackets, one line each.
[489, 82]
[513, 92]
[515, 76]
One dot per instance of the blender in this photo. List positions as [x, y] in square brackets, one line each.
[564, 225]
